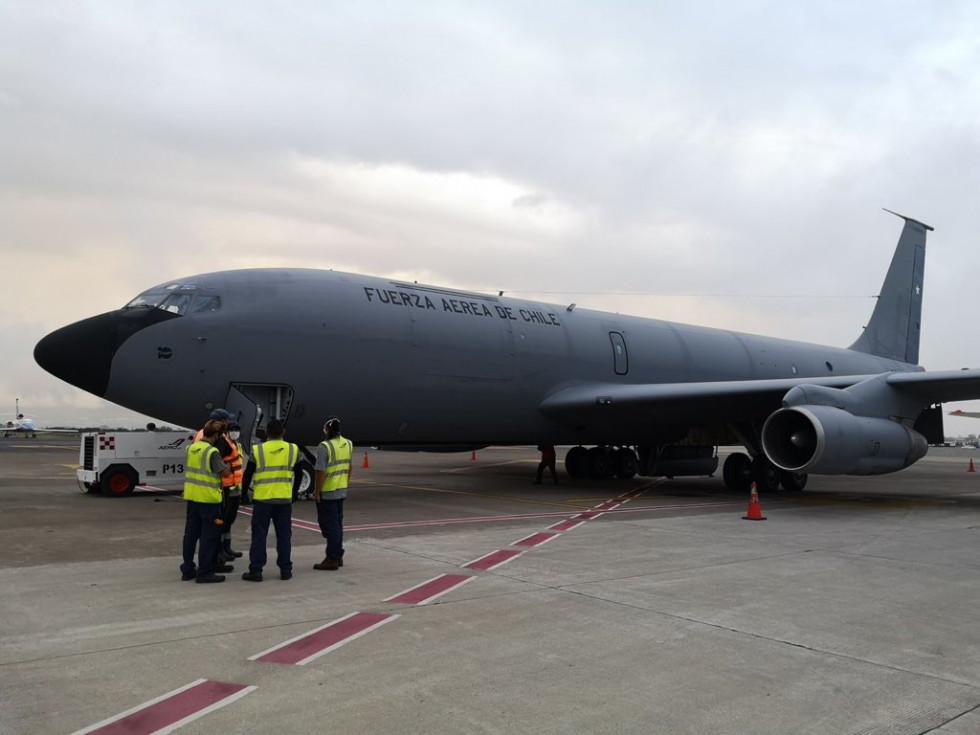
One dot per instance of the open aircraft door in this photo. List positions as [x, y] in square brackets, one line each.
[254, 404]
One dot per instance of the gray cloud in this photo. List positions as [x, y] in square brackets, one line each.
[703, 148]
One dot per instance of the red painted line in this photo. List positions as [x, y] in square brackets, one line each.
[296, 522]
[303, 649]
[565, 525]
[171, 711]
[588, 515]
[536, 539]
[609, 505]
[422, 594]
[493, 560]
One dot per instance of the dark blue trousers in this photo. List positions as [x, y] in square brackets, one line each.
[330, 515]
[200, 527]
[281, 517]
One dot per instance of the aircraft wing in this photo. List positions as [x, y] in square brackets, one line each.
[711, 401]
[734, 400]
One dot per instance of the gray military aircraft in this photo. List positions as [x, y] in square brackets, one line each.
[410, 366]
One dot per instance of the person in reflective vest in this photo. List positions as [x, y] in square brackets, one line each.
[234, 456]
[203, 470]
[333, 471]
[273, 474]
[231, 454]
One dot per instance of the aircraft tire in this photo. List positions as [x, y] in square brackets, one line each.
[793, 482]
[576, 463]
[765, 474]
[599, 463]
[737, 472]
[626, 463]
[308, 476]
[118, 480]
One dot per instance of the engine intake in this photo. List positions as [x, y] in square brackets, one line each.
[825, 440]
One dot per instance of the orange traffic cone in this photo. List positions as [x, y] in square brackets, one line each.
[972, 468]
[366, 464]
[473, 456]
[755, 510]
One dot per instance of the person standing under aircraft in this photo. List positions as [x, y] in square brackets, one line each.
[333, 471]
[231, 486]
[203, 470]
[274, 470]
[547, 460]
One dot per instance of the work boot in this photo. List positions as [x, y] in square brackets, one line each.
[230, 552]
[224, 568]
[285, 575]
[251, 576]
[328, 564]
[188, 576]
[210, 579]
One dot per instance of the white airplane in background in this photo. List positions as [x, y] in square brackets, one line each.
[965, 414]
[21, 424]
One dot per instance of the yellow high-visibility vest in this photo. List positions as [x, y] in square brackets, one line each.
[339, 451]
[200, 484]
[274, 462]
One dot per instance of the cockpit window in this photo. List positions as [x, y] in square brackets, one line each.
[146, 299]
[204, 304]
[177, 303]
[177, 298]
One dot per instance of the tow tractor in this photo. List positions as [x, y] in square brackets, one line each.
[115, 463]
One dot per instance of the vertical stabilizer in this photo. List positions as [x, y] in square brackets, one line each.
[893, 331]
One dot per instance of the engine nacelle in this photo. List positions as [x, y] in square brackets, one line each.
[825, 440]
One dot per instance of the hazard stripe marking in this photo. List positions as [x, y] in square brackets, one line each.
[536, 539]
[493, 560]
[172, 710]
[429, 590]
[309, 646]
[588, 515]
[566, 525]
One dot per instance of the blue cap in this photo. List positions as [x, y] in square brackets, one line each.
[220, 413]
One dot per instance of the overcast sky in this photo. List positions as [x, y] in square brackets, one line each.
[737, 154]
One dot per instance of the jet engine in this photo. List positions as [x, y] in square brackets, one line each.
[827, 440]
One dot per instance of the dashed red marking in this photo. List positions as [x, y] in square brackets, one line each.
[172, 710]
[588, 515]
[536, 539]
[426, 592]
[303, 649]
[566, 525]
[493, 560]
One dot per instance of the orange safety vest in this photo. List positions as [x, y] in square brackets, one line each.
[234, 461]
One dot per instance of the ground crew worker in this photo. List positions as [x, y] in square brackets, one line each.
[333, 471]
[231, 454]
[231, 486]
[203, 470]
[547, 460]
[273, 474]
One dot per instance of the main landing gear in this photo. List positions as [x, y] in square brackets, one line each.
[740, 471]
[600, 462]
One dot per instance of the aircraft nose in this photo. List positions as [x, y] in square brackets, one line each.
[81, 353]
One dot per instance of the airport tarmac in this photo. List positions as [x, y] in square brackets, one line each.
[474, 601]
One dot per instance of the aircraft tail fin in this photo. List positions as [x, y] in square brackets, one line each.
[893, 331]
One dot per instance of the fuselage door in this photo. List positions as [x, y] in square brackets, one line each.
[620, 358]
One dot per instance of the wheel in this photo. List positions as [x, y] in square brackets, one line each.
[598, 463]
[737, 472]
[306, 480]
[794, 482]
[626, 463]
[118, 480]
[765, 474]
[575, 463]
